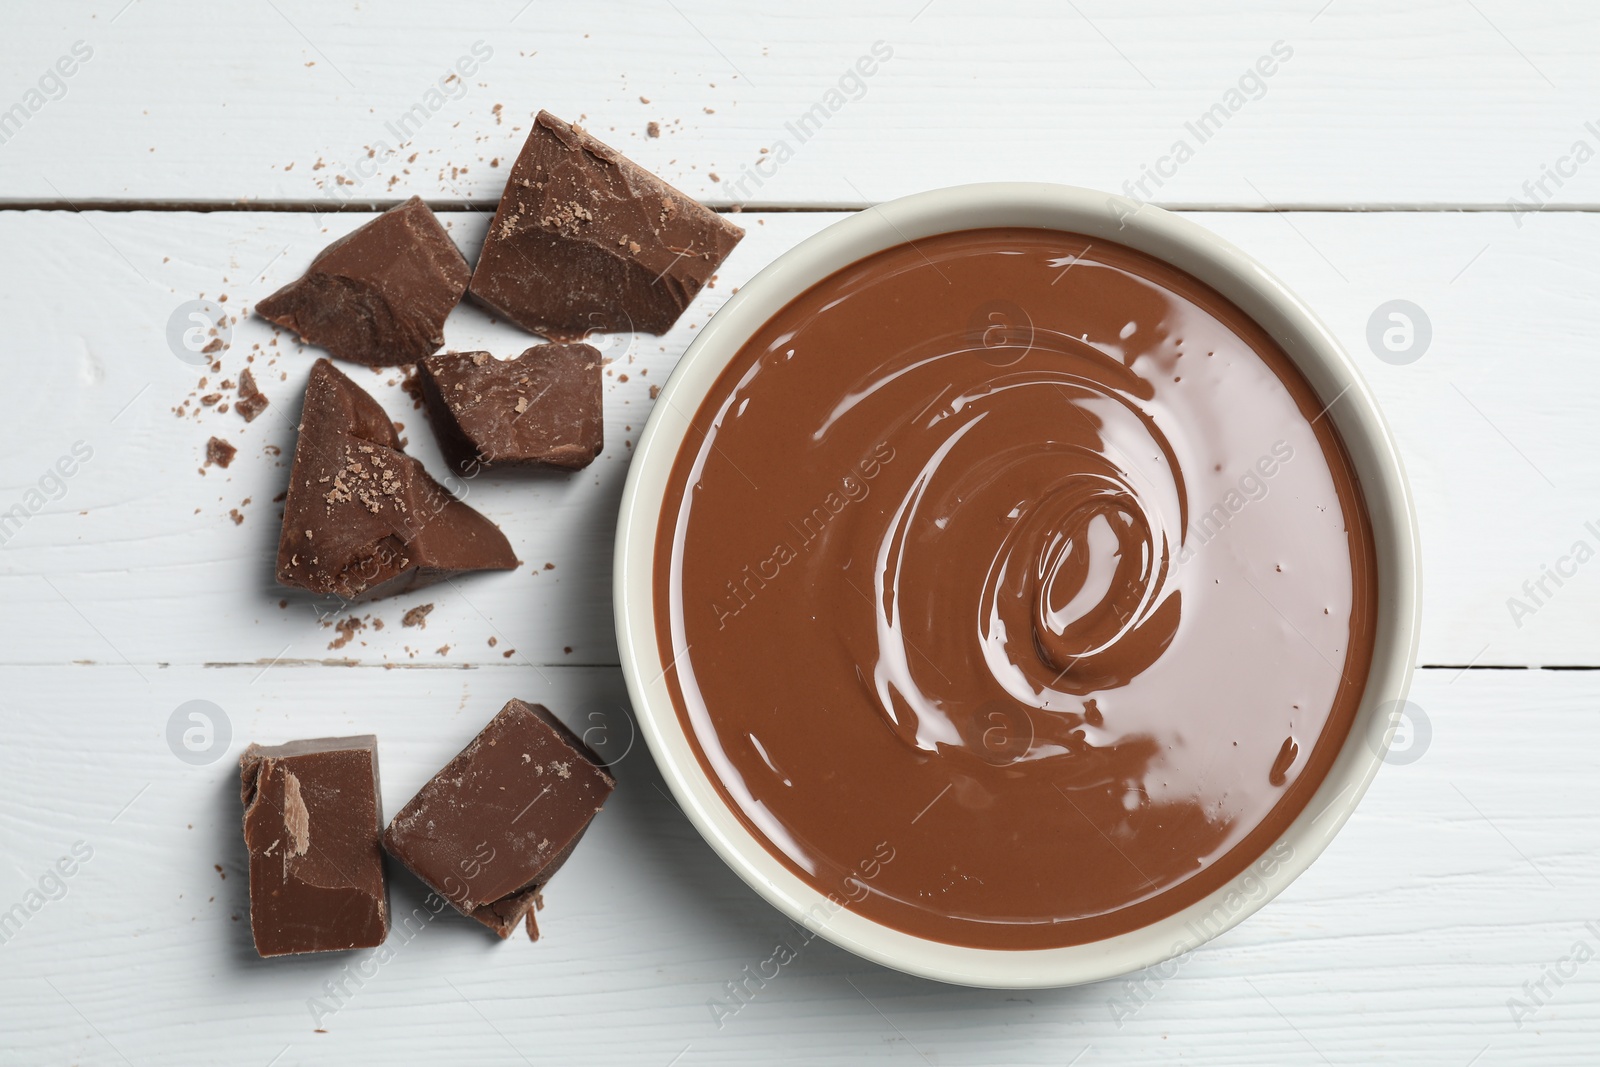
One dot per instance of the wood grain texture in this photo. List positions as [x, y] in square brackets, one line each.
[139, 561]
[1425, 102]
[1462, 875]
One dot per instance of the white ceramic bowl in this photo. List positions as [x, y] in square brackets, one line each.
[1261, 296]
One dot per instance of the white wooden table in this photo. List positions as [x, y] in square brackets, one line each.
[1399, 151]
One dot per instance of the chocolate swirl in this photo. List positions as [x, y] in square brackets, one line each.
[1063, 543]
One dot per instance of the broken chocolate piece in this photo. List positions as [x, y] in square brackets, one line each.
[542, 409]
[380, 295]
[251, 401]
[362, 517]
[585, 239]
[312, 817]
[491, 828]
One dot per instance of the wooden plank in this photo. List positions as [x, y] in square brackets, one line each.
[139, 560]
[1462, 876]
[1366, 103]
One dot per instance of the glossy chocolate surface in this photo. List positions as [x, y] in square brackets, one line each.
[1031, 557]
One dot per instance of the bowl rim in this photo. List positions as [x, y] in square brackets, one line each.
[1333, 376]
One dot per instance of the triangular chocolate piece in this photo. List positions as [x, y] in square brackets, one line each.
[585, 239]
[542, 409]
[379, 295]
[364, 518]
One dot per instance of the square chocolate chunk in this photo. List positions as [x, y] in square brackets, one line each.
[585, 239]
[364, 518]
[491, 828]
[312, 816]
[379, 295]
[542, 409]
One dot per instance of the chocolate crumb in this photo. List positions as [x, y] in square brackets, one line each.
[250, 401]
[411, 385]
[219, 452]
[347, 630]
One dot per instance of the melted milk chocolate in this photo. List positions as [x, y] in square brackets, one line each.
[1012, 589]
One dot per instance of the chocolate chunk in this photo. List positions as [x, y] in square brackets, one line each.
[380, 295]
[362, 517]
[586, 239]
[312, 817]
[491, 828]
[251, 402]
[542, 409]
